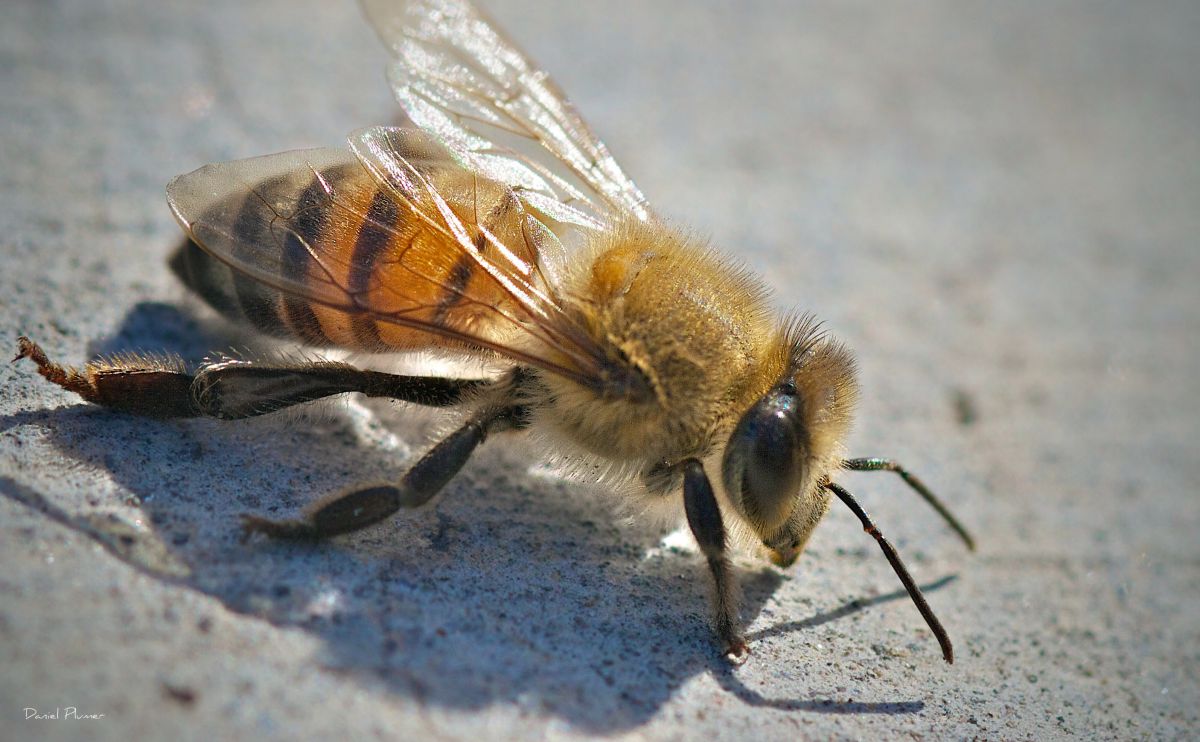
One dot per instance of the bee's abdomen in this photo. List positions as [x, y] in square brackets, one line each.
[257, 240]
[235, 296]
[360, 246]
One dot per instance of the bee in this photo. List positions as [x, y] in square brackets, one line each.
[495, 225]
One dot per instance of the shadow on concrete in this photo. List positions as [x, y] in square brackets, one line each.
[512, 589]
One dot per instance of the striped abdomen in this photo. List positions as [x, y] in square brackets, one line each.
[310, 245]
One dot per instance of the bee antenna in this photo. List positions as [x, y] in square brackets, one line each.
[893, 558]
[875, 464]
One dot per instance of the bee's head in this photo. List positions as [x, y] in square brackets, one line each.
[789, 440]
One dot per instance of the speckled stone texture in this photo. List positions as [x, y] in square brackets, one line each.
[995, 204]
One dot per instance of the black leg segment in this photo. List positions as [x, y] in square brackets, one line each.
[361, 508]
[704, 519]
[235, 389]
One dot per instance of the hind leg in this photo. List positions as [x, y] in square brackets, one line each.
[238, 389]
[230, 390]
[156, 387]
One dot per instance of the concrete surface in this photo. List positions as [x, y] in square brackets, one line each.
[995, 204]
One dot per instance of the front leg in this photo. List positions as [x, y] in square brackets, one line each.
[704, 518]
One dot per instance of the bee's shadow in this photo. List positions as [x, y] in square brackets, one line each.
[514, 589]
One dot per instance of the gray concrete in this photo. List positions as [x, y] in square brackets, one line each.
[995, 204]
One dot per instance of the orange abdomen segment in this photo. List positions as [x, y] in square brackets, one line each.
[392, 260]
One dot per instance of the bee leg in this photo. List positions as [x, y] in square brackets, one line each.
[236, 389]
[704, 518]
[143, 385]
[230, 390]
[361, 508]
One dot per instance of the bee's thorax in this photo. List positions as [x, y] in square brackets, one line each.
[694, 334]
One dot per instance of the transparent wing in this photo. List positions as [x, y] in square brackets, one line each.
[395, 238]
[461, 79]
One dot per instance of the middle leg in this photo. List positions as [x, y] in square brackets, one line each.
[358, 509]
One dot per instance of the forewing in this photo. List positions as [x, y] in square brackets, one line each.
[461, 79]
[394, 244]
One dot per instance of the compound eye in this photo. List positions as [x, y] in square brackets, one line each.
[766, 458]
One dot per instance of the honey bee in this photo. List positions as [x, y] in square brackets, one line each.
[497, 226]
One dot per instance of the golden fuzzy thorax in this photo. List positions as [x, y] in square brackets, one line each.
[696, 328]
[703, 335]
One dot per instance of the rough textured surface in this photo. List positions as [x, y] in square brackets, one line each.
[995, 204]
